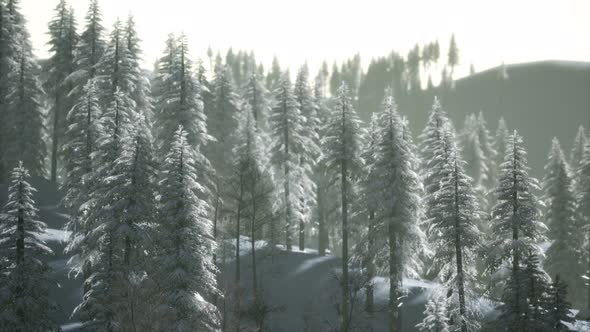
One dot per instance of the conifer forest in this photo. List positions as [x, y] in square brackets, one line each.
[226, 193]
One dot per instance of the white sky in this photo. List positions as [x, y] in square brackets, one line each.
[487, 32]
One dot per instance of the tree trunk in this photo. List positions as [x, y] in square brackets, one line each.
[394, 291]
[459, 257]
[55, 137]
[253, 242]
[322, 232]
[237, 304]
[345, 291]
[370, 265]
[516, 251]
[301, 235]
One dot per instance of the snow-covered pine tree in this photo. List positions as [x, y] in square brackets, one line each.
[398, 203]
[436, 145]
[287, 132]
[78, 148]
[139, 82]
[250, 190]
[304, 97]
[435, 315]
[577, 155]
[24, 127]
[326, 204]
[397, 206]
[89, 51]
[560, 216]
[342, 143]
[256, 95]
[177, 98]
[24, 301]
[535, 283]
[63, 41]
[368, 203]
[516, 228]
[456, 240]
[274, 76]
[119, 70]
[583, 209]
[8, 60]
[186, 244]
[500, 144]
[479, 153]
[133, 184]
[102, 248]
[557, 306]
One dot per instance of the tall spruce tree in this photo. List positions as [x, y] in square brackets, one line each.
[397, 191]
[63, 42]
[177, 99]
[457, 238]
[8, 60]
[436, 145]
[435, 315]
[577, 155]
[342, 151]
[89, 51]
[303, 95]
[24, 299]
[289, 142]
[186, 244]
[558, 308]
[80, 141]
[583, 209]
[516, 228]
[560, 216]
[368, 200]
[24, 122]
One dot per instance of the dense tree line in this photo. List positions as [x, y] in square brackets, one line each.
[162, 172]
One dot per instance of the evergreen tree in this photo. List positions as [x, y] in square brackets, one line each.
[558, 309]
[304, 97]
[177, 99]
[583, 211]
[8, 60]
[256, 95]
[515, 225]
[560, 217]
[342, 147]
[436, 145]
[79, 145]
[273, 77]
[397, 191]
[24, 299]
[368, 200]
[63, 41]
[250, 189]
[535, 285]
[139, 83]
[456, 239]
[25, 129]
[289, 141]
[186, 244]
[435, 314]
[89, 51]
[577, 155]
[453, 56]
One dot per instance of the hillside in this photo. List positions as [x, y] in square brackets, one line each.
[554, 95]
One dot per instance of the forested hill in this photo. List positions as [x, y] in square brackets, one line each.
[547, 94]
[552, 94]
